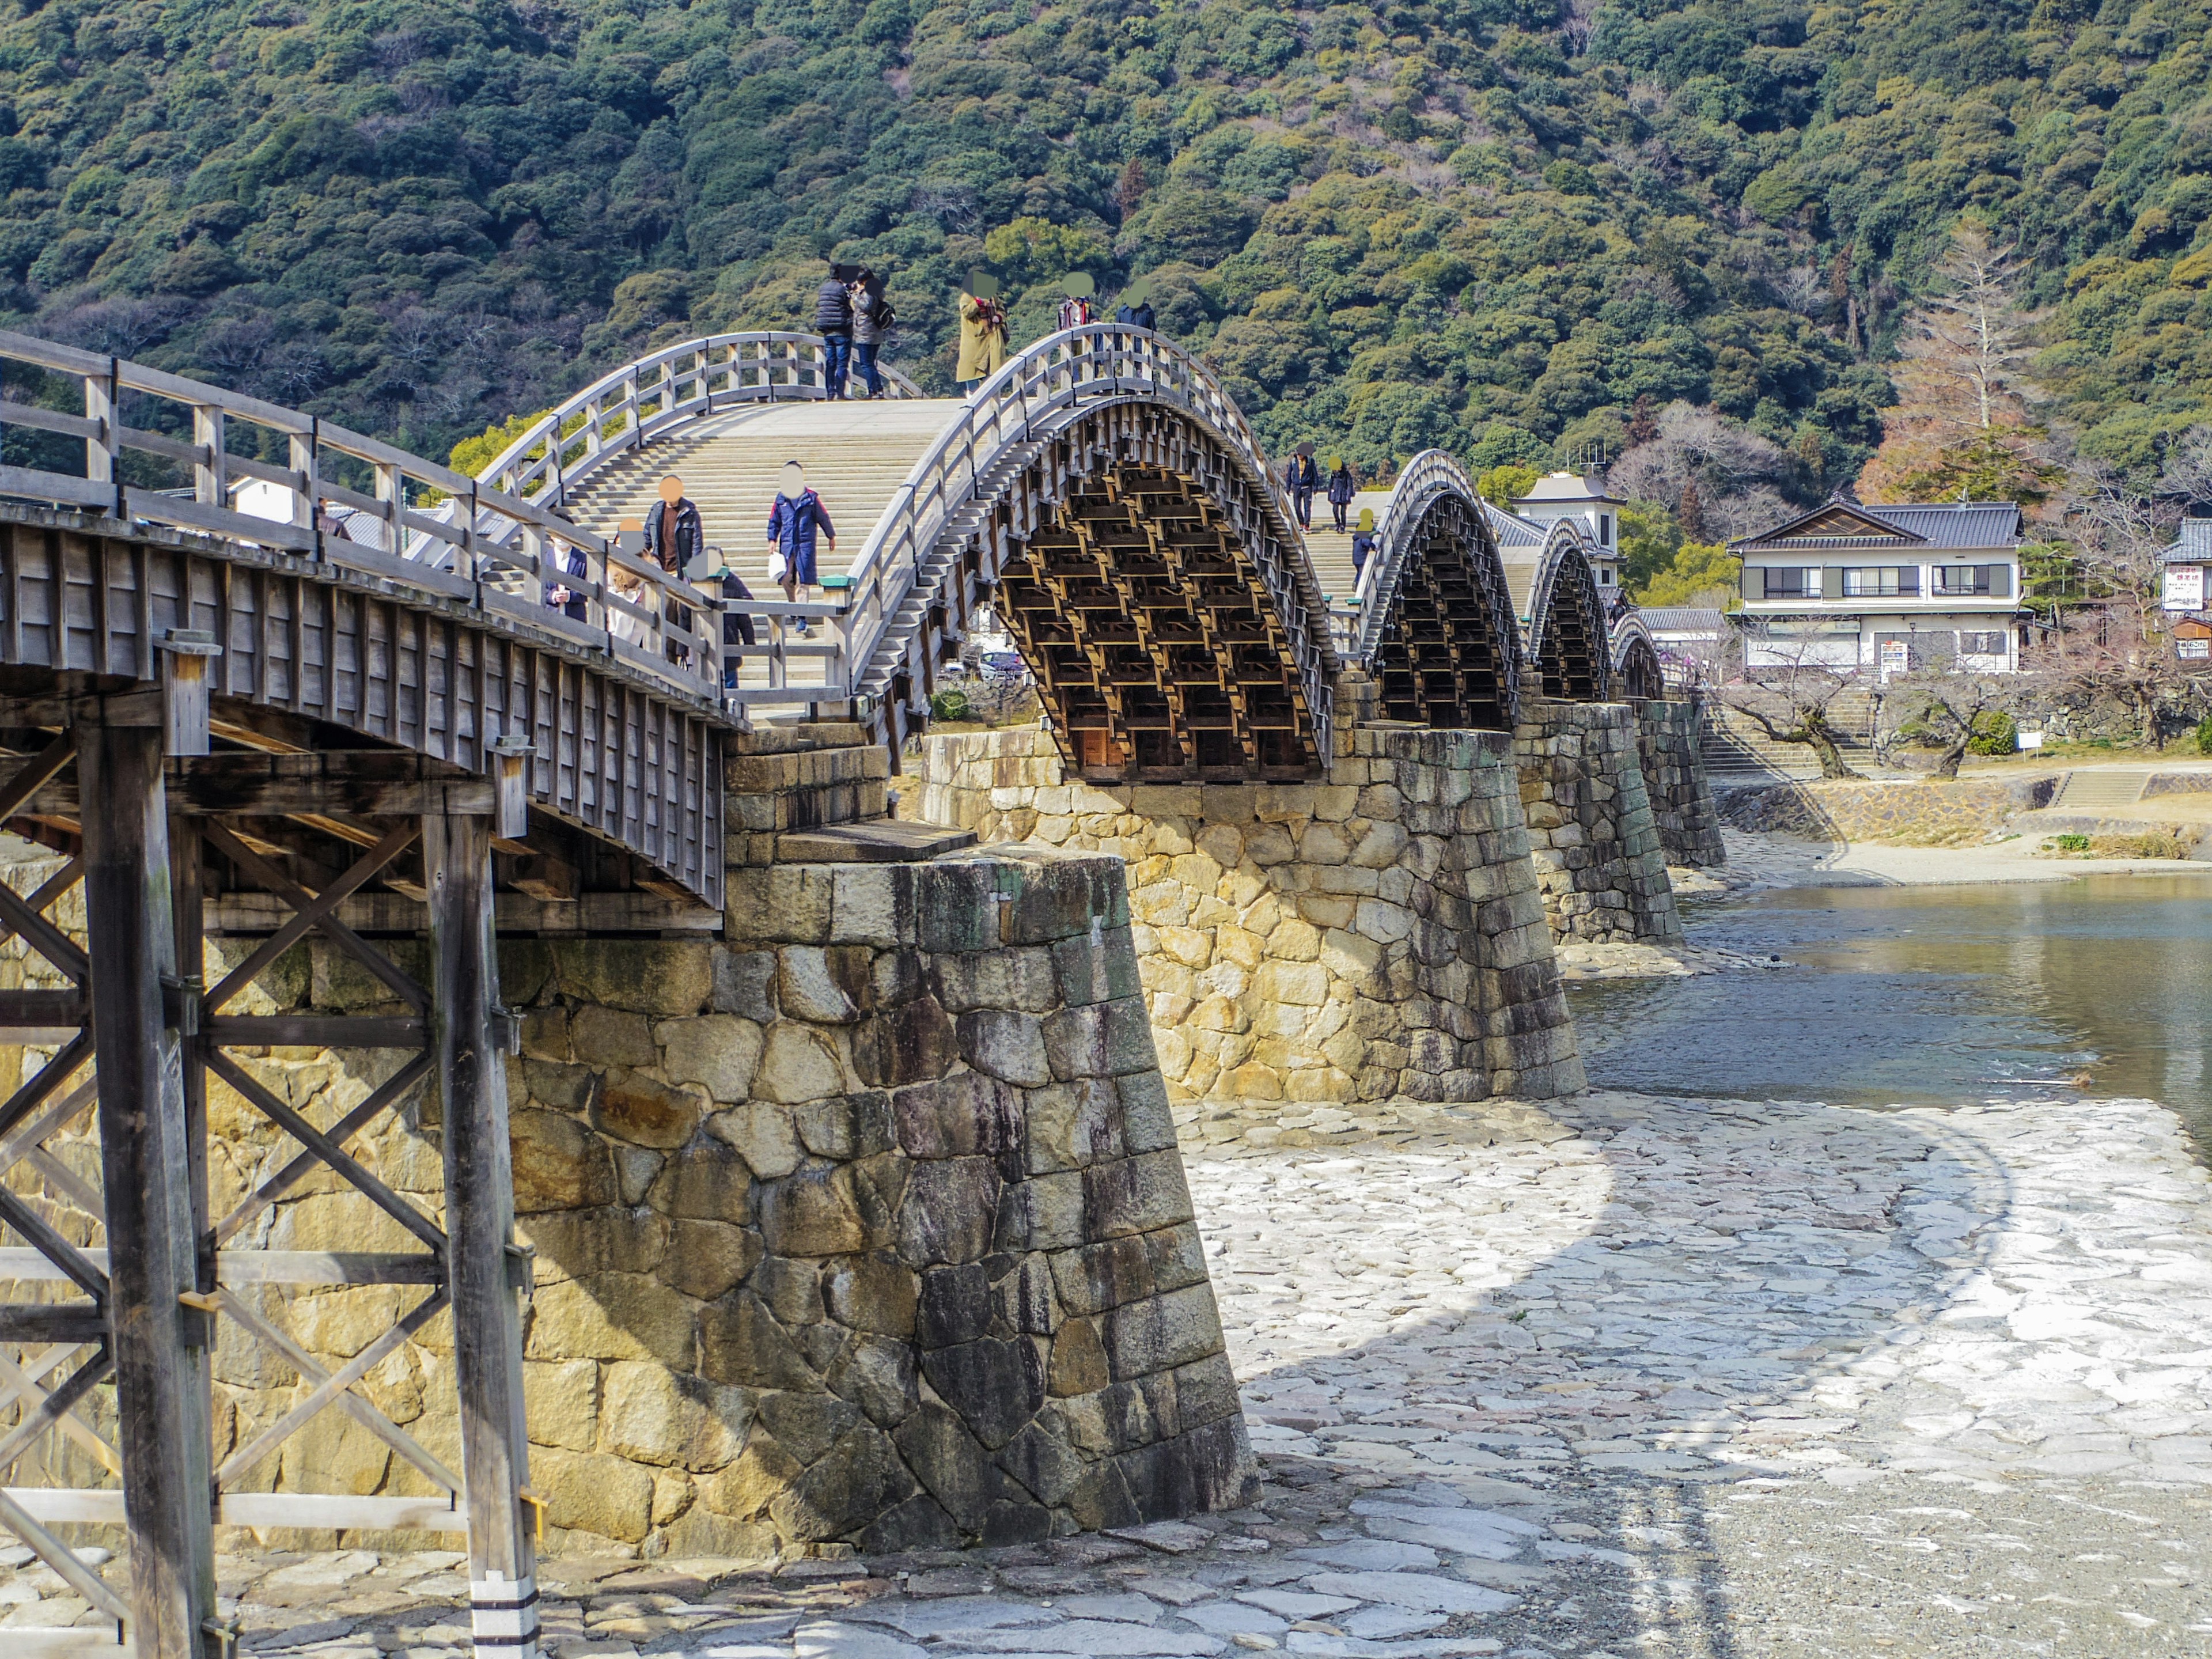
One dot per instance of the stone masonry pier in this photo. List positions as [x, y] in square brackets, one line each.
[1672, 759]
[860, 1224]
[1377, 935]
[1596, 848]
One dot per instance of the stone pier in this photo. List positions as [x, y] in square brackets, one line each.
[858, 1223]
[1596, 848]
[1378, 934]
[1673, 761]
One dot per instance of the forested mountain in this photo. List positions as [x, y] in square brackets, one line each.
[1517, 228]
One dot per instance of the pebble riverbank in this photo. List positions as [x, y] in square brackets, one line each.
[1618, 1377]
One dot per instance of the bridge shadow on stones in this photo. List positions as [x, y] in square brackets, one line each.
[1669, 1314]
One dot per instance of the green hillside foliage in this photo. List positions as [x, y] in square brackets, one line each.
[1494, 225]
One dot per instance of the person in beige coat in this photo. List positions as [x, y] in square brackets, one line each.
[982, 330]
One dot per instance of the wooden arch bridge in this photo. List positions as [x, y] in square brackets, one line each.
[263, 677]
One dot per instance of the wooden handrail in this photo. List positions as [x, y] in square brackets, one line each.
[1036, 391]
[436, 530]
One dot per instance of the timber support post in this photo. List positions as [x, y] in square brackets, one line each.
[159, 1345]
[470, 1046]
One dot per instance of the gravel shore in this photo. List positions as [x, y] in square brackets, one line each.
[1620, 1377]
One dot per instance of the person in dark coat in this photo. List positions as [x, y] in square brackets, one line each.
[1342, 487]
[1304, 478]
[833, 321]
[673, 536]
[792, 525]
[1140, 315]
[1363, 541]
[737, 626]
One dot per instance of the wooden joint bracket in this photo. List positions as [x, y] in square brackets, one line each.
[186, 653]
[511, 757]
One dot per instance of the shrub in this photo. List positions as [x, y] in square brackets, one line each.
[950, 705]
[1994, 733]
[2070, 843]
[2205, 736]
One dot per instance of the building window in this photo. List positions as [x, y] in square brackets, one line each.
[1881, 582]
[1605, 529]
[1605, 575]
[1965, 578]
[1793, 584]
[1982, 645]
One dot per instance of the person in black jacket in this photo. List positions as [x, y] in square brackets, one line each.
[1343, 485]
[833, 321]
[673, 536]
[1304, 478]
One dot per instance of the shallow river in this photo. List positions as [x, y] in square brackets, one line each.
[1930, 994]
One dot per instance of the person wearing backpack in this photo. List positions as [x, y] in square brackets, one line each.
[833, 321]
[982, 331]
[793, 523]
[871, 325]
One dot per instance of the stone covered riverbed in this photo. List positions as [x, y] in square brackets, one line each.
[1619, 1377]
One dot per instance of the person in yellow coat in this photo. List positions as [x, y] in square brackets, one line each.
[982, 330]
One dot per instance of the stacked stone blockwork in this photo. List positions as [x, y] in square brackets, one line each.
[861, 1226]
[1670, 747]
[1374, 936]
[1591, 828]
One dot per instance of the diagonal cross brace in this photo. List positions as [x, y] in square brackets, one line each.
[363, 1411]
[338, 1134]
[24, 1381]
[50, 1077]
[327, 1150]
[299, 899]
[312, 914]
[40, 1234]
[330, 1388]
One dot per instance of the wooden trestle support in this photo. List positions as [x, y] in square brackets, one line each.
[135, 1034]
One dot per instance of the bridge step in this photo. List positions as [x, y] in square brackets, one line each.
[885, 840]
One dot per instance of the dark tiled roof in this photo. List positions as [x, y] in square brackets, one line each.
[1935, 525]
[1511, 530]
[2195, 546]
[1682, 619]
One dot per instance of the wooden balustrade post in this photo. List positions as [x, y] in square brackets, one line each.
[308, 479]
[162, 1413]
[470, 1042]
[211, 477]
[391, 492]
[100, 452]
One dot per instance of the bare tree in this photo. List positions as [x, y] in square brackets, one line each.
[1801, 289]
[1948, 707]
[1577, 22]
[2116, 647]
[1967, 347]
[1792, 702]
[1718, 477]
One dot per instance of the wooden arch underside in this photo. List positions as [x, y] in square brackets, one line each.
[1447, 657]
[1157, 647]
[1640, 673]
[1569, 636]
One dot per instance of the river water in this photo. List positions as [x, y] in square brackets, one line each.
[1928, 995]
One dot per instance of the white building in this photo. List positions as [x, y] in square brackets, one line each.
[1886, 589]
[1561, 495]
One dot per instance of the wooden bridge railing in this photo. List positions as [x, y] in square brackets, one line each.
[1035, 393]
[352, 502]
[1357, 625]
[644, 400]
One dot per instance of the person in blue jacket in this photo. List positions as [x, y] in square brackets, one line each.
[792, 525]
